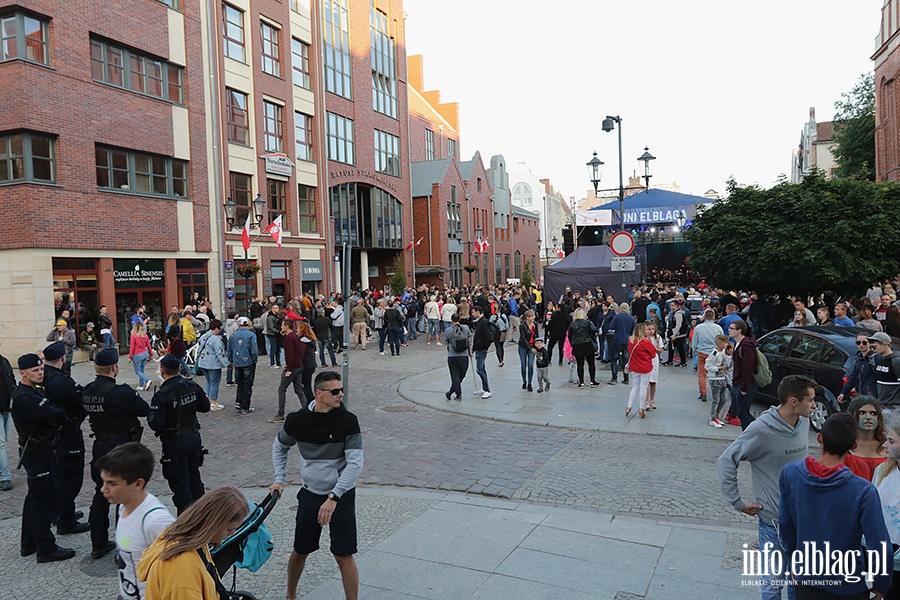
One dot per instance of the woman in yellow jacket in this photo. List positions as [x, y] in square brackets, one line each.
[178, 565]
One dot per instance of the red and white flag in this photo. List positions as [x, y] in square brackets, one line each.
[274, 229]
[420, 240]
[245, 234]
[409, 245]
[484, 246]
[478, 245]
[560, 253]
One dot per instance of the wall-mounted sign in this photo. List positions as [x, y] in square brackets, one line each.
[311, 270]
[362, 173]
[138, 273]
[278, 164]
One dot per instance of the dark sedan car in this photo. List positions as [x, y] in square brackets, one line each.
[824, 353]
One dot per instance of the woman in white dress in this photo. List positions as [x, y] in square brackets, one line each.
[654, 374]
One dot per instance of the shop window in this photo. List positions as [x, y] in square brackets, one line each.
[192, 278]
[76, 289]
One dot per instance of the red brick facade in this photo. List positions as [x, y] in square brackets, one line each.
[887, 103]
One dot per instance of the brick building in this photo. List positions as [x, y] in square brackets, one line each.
[887, 103]
[103, 164]
[456, 204]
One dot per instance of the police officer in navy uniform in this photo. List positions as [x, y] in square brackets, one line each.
[113, 411]
[37, 422]
[173, 416]
[64, 393]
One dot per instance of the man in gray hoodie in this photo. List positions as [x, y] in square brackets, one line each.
[779, 436]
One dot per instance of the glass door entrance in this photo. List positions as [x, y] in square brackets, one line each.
[127, 303]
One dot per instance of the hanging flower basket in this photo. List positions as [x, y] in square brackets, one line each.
[470, 268]
[248, 269]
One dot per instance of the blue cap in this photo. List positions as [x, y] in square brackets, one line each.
[54, 351]
[29, 361]
[107, 358]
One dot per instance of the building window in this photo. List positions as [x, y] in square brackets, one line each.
[271, 49]
[27, 157]
[307, 208]
[384, 65]
[336, 43]
[506, 265]
[451, 148]
[272, 127]
[240, 195]
[138, 173]
[375, 217]
[76, 289]
[340, 139]
[498, 270]
[429, 144]
[303, 136]
[276, 189]
[387, 153]
[456, 271]
[139, 73]
[237, 117]
[517, 264]
[172, 4]
[454, 216]
[191, 278]
[23, 37]
[478, 183]
[233, 34]
[300, 62]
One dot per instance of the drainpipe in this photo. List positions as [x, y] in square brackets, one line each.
[213, 52]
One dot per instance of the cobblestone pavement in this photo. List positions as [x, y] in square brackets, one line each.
[418, 447]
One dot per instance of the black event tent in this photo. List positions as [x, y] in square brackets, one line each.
[584, 269]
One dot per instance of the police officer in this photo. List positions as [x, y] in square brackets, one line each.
[37, 422]
[113, 411]
[173, 416]
[64, 393]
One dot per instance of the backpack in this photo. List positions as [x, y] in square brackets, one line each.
[501, 321]
[685, 323]
[493, 331]
[504, 308]
[763, 375]
[460, 344]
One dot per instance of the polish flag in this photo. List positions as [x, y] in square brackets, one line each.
[274, 229]
[420, 240]
[560, 253]
[484, 246]
[410, 245]
[245, 234]
[478, 245]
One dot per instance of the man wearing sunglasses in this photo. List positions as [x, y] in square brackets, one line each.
[862, 375]
[887, 369]
[331, 460]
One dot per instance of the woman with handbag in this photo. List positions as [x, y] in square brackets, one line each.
[211, 359]
[640, 366]
[139, 352]
[179, 564]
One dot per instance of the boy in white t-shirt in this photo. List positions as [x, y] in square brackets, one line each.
[125, 472]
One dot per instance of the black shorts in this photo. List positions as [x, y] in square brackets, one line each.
[342, 526]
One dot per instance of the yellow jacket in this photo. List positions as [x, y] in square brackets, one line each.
[187, 330]
[182, 578]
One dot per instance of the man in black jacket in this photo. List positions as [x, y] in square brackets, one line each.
[485, 335]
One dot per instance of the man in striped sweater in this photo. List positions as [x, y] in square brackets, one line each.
[331, 460]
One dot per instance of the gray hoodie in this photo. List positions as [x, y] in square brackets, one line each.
[768, 444]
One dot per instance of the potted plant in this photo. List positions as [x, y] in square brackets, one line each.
[248, 269]
[470, 268]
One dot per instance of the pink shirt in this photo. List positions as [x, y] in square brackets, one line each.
[140, 344]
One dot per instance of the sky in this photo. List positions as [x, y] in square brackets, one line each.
[716, 89]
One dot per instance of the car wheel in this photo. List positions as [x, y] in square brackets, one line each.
[820, 413]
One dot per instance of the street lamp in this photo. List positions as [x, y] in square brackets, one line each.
[538, 261]
[646, 158]
[258, 208]
[609, 123]
[595, 170]
[553, 241]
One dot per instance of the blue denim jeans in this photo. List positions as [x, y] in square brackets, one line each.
[770, 589]
[382, 336]
[411, 328]
[618, 358]
[213, 379]
[272, 350]
[434, 327]
[741, 403]
[140, 363]
[526, 361]
[5, 430]
[480, 355]
[395, 334]
[108, 341]
[323, 344]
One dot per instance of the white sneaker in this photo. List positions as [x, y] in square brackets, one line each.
[477, 392]
[381, 353]
[486, 395]
[715, 423]
[439, 344]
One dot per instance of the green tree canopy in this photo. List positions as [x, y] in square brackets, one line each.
[803, 238]
[398, 279]
[854, 130]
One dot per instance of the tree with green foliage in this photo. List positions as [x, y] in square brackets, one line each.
[527, 279]
[854, 130]
[803, 238]
[398, 279]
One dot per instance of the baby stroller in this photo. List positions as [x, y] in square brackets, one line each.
[231, 552]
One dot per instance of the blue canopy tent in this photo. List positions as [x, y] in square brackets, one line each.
[655, 206]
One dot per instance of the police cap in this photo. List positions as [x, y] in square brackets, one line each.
[29, 361]
[54, 351]
[107, 357]
[170, 362]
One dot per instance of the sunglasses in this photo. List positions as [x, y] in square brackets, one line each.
[333, 391]
[862, 343]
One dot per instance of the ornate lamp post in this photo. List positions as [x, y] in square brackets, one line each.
[647, 158]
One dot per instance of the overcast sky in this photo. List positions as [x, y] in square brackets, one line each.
[716, 89]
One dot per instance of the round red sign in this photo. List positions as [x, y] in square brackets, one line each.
[622, 243]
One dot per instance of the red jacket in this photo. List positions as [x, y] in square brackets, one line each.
[294, 351]
[642, 355]
[744, 363]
